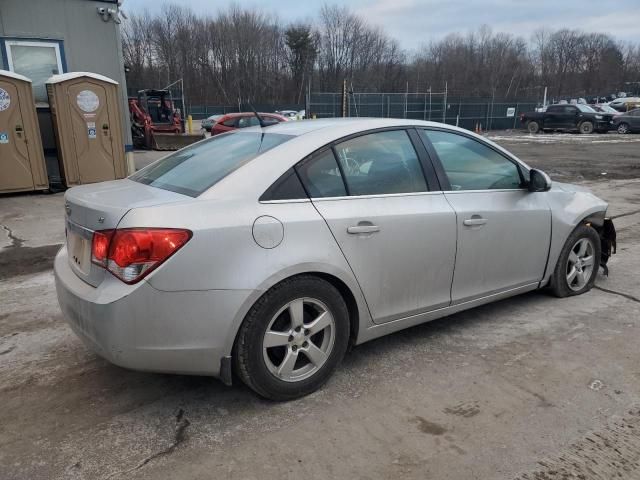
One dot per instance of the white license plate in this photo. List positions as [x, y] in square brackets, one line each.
[79, 252]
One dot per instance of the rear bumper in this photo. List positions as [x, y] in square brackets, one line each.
[142, 328]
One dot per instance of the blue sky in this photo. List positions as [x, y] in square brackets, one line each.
[415, 22]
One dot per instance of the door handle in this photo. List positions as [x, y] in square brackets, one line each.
[355, 230]
[474, 221]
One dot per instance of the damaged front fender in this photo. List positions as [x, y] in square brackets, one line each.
[570, 206]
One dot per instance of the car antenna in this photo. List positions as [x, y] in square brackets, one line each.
[260, 119]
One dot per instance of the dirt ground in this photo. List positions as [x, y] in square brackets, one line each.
[569, 157]
[531, 387]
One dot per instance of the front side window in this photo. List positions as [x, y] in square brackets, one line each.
[35, 60]
[194, 169]
[381, 163]
[470, 165]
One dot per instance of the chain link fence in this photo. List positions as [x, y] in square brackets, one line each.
[203, 111]
[469, 113]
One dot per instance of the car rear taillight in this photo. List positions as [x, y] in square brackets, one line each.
[132, 253]
[100, 247]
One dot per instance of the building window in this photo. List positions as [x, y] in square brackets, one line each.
[37, 60]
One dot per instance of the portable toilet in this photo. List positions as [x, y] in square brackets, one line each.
[86, 114]
[22, 165]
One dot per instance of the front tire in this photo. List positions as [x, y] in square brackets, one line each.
[292, 339]
[586, 128]
[578, 263]
[623, 128]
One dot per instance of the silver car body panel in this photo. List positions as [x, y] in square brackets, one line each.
[503, 250]
[570, 205]
[185, 315]
[405, 265]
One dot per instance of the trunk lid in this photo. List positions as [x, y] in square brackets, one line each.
[101, 206]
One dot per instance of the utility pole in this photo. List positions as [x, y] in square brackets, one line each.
[444, 109]
[344, 98]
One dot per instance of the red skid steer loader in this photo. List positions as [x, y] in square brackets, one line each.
[156, 124]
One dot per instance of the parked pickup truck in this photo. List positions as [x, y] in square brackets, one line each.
[579, 117]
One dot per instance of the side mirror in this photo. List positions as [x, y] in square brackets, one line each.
[539, 181]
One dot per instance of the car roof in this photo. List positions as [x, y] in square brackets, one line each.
[336, 126]
[250, 114]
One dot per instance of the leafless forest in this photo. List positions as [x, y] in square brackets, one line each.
[240, 54]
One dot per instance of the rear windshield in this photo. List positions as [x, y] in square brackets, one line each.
[194, 169]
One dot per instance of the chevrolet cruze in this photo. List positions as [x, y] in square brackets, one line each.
[261, 254]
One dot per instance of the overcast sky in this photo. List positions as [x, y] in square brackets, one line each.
[415, 22]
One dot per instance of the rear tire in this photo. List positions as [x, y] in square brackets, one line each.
[578, 263]
[623, 128]
[586, 128]
[292, 339]
[533, 126]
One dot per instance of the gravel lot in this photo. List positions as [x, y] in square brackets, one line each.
[527, 388]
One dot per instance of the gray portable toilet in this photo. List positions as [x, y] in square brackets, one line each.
[22, 166]
[85, 109]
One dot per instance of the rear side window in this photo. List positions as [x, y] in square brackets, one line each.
[381, 163]
[194, 169]
[287, 187]
[470, 165]
[230, 123]
[321, 176]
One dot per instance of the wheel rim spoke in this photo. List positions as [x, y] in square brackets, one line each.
[286, 367]
[317, 356]
[275, 339]
[573, 258]
[587, 261]
[580, 280]
[296, 311]
[572, 275]
[582, 249]
[323, 321]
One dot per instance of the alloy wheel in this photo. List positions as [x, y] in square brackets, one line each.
[580, 264]
[299, 339]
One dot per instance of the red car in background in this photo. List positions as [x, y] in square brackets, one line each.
[231, 121]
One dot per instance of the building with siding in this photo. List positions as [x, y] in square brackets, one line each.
[40, 38]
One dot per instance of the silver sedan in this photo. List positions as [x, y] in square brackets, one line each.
[265, 253]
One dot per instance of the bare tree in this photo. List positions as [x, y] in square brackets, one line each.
[239, 54]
